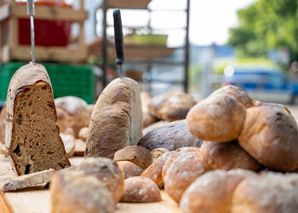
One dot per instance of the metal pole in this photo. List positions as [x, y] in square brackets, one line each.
[186, 58]
[31, 13]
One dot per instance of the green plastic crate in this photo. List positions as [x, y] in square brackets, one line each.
[66, 79]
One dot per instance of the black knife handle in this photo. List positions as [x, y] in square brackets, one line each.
[118, 37]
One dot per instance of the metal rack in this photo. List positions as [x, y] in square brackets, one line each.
[143, 54]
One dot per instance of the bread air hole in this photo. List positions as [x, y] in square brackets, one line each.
[17, 150]
[27, 169]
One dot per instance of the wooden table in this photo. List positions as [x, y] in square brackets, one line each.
[37, 199]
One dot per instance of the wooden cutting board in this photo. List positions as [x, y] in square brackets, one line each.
[37, 199]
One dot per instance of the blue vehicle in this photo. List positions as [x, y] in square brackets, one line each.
[263, 84]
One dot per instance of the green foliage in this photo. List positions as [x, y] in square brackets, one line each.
[264, 25]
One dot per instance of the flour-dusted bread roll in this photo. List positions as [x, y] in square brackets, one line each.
[2, 124]
[213, 191]
[77, 112]
[154, 171]
[116, 119]
[108, 172]
[140, 190]
[32, 134]
[130, 169]
[171, 106]
[80, 147]
[183, 171]
[228, 155]
[69, 144]
[270, 135]
[73, 191]
[148, 119]
[157, 152]
[267, 193]
[170, 136]
[83, 133]
[136, 154]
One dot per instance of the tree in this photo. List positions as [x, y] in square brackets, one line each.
[266, 24]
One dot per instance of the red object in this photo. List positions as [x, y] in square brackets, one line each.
[47, 32]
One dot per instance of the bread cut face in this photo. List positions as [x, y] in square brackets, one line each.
[33, 140]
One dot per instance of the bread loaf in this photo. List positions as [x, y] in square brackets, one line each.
[77, 113]
[170, 136]
[171, 106]
[228, 155]
[270, 135]
[267, 193]
[140, 190]
[213, 191]
[183, 171]
[32, 134]
[136, 154]
[106, 171]
[73, 191]
[116, 119]
[129, 169]
[154, 126]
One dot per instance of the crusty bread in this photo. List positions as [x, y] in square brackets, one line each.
[83, 133]
[136, 154]
[228, 156]
[108, 172]
[170, 136]
[69, 144]
[154, 171]
[140, 190]
[267, 193]
[156, 153]
[129, 169]
[217, 118]
[73, 191]
[171, 106]
[116, 119]
[32, 134]
[77, 112]
[270, 135]
[213, 191]
[183, 171]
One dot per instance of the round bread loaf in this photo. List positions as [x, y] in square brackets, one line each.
[268, 192]
[213, 191]
[183, 171]
[108, 172]
[72, 191]
[217, 118]
[129, 169]
[228, 156]
[156, 153]
[83, 133]
[140, 190]
[171, 106]
[154, 171]
[170, 136]
[270, 135]
[136, 154]
[77, 113]
[175, 155]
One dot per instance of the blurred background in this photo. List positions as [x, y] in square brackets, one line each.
[170, 45]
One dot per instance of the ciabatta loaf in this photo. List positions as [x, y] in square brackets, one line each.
[32, 134]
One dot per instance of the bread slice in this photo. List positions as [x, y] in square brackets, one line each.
[32, 134]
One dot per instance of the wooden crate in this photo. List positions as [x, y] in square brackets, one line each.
[9, 42]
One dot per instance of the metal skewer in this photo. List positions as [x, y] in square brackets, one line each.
[31, 13]
[119, 40]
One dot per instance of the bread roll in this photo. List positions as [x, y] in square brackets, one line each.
[213, 191]
[129, 169]
[140, 190]
[171, 106]
[217, 118]
[108, 172]
[83, 133]
[80, 147]
[72, 191]
[170, 136]
[270, 135]
[116, 119]
[156, 153]
[267, 193]
[136, 154]
[69, 144]
[228, 156]
[77, 113]
[154, 171]
[32, 134]
[183, 171]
